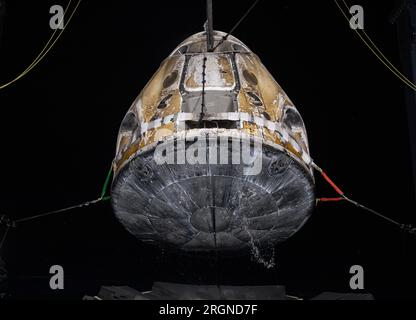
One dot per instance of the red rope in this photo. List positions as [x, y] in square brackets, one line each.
[330, 199]
[333, 185]
[407, 228]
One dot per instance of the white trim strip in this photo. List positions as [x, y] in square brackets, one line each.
[232, 116]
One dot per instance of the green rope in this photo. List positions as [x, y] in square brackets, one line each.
[106, 183]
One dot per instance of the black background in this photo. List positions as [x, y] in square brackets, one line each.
[59, 126]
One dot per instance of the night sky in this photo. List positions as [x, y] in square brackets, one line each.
[59, 126]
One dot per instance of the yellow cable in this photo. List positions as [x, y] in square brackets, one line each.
[396, 73]
[50, 39]
[59, 35]
[43, 53]
[404, 78]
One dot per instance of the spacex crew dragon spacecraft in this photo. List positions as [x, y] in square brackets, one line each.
[181, 172]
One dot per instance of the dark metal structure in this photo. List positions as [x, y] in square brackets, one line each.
[210, 26]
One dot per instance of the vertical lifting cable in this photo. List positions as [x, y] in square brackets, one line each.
[210, 27]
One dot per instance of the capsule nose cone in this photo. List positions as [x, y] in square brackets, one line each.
[229, 42]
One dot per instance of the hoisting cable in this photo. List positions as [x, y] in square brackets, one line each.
[9, 223]
[407, 228]
[236, 25]
[376, 51]
[49, 45]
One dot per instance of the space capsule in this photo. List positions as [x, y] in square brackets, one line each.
[201, 110]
